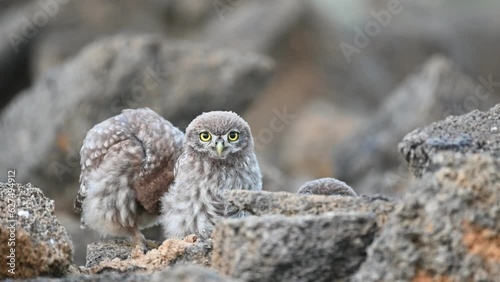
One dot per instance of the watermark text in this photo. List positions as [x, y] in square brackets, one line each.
[11, 222]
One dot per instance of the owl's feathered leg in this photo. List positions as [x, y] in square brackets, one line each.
[138, 238]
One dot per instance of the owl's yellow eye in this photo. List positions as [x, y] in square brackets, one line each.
[233, 136]
[205, 136]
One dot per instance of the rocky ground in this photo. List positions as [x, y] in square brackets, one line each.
[445, 228]
[409, 122]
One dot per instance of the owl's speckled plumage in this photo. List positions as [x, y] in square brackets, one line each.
[195, 201]
[127, 163]
[327, 187]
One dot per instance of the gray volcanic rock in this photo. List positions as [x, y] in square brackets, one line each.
[475, 132]
[439, 89]
[42, 246]
[48, 122]
[282, 203]
[447, 228]
[328, 247]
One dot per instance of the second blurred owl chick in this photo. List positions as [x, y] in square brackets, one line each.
[326, 187]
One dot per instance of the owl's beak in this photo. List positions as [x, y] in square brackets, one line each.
[219, 148]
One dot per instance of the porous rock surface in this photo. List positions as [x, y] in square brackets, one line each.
[109, 249]
[121, 256]
[475, 132]
[447, 228]
[283, 203]
[42, 246]
[328, 247]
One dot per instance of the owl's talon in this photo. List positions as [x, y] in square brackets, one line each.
[143, 247]
[138, 239]
[204, 234]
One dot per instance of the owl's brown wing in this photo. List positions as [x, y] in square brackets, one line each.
[162, 146]
[150, 188]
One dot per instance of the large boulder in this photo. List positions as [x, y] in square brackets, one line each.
[447, 228]
[475, 132]
[48, 122]
[437, 90]
[299, 248]
[33, 240]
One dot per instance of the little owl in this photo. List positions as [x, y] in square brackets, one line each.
[127, 164]
[128, 173]
[218, 155]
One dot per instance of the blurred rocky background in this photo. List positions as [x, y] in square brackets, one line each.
[329, 87]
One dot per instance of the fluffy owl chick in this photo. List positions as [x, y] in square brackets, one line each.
[218, 155]
[327, 187]
[127, 163]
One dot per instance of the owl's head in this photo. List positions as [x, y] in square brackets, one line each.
[219, 135]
